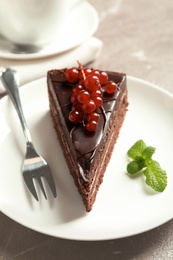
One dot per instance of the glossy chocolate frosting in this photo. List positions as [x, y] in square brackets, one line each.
[85, 143]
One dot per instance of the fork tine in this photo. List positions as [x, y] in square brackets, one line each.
[50, 181]
[41, 185]
[29, 183]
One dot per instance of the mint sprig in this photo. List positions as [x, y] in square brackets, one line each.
[142, 162]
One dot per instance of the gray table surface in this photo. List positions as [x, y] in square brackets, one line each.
[138, 40]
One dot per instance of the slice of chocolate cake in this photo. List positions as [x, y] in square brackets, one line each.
[87, 109]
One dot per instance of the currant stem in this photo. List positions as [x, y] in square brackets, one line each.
[81, 68]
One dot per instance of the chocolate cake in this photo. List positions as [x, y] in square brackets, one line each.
[87, 150]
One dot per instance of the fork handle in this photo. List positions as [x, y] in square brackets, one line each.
[10, 80]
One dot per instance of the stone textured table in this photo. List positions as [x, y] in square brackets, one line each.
[138, 40]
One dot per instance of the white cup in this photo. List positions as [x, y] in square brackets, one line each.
[34, 21]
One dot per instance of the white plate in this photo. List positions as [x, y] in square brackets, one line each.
[124, 206]
[80, 25]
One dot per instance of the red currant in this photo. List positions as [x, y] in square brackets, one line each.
[98, 87]
[93, 117]
[73, 98]
[89, 107]
[84, 71]
[76, 89]
[97, 101]
[77, 107]
[110, 87]
[95, 93]
[91, 82]
[95, 73]
[83, 96]
[72, 75]
[75, 116]
[91, 126]
[103, 77]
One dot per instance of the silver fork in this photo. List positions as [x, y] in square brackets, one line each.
[34, 166]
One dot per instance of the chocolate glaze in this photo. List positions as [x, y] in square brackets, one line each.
[85, 143]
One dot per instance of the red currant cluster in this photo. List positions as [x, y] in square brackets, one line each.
[87, 94]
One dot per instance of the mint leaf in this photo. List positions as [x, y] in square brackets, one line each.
[156, 178]
[148, 152]
[136, 149]
[141, 156]
[136, 165]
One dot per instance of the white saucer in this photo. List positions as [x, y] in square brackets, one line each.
[80, 25]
